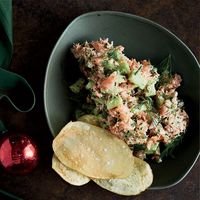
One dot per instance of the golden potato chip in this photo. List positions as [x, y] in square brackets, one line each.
[139, 180]
[93, 151]
[90, 119]
[69, 175]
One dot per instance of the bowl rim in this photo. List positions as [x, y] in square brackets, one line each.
[127, 15]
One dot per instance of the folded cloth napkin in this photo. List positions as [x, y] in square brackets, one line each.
[12, 86]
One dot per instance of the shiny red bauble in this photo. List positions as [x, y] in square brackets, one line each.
[18, 153]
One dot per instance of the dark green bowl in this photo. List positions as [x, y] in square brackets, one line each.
[142, 39]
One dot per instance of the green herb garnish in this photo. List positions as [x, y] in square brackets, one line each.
[138, 69]
[165, 70]
[138, 147]
[169, 148]
[77, 86]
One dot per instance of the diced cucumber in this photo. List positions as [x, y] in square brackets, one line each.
[124, 68]
[109, 64]
[115, 54]
[150, 90]
[138, 108]
[113, 91]
[120, 79]
[77, 86]
[152, 149]
[89, 85]
[114, 102]
[97, 100]
[137, 79]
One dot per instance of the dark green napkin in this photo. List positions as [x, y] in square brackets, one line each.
[5, 32]
[12, 86]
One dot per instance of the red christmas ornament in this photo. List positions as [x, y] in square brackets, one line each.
[18, 154]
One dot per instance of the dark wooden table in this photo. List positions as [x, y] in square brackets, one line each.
[37, 26]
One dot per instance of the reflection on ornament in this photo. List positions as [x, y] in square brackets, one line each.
[18, 153]
[29, 152]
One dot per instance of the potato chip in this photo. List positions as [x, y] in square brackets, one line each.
[93, 151]
[69, 175]
[139, 180]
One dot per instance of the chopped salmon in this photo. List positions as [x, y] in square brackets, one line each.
[108, 82]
